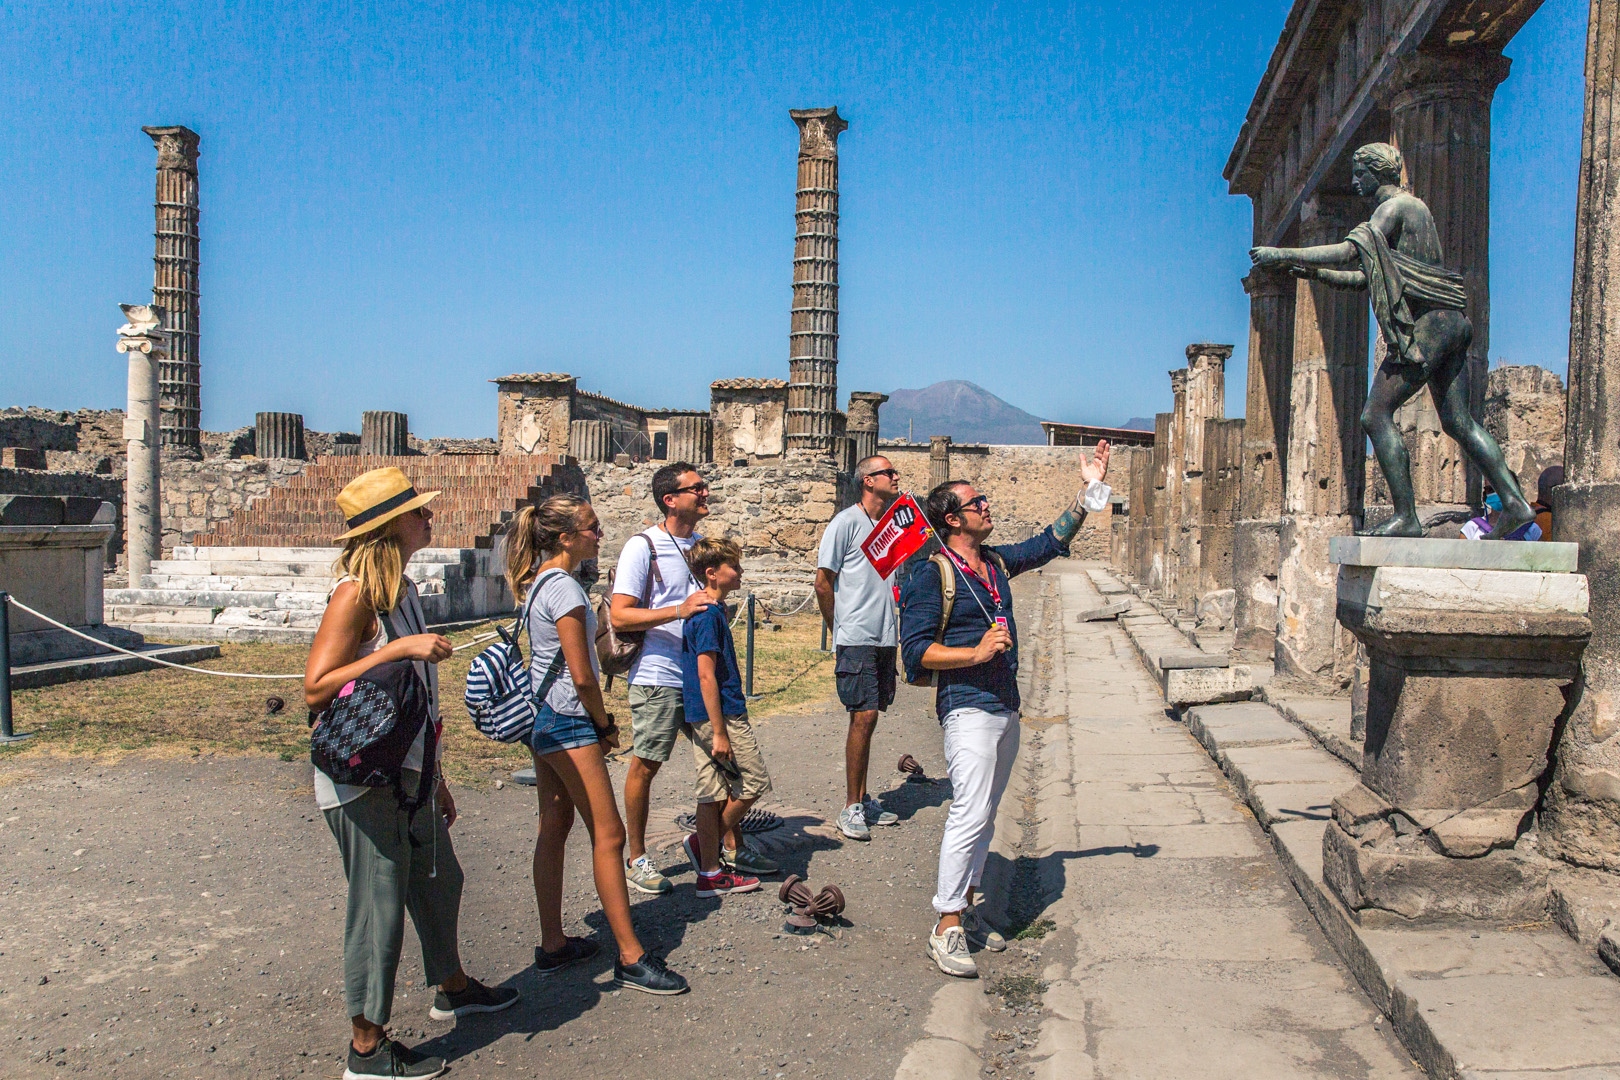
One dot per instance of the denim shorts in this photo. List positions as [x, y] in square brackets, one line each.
[554, 731]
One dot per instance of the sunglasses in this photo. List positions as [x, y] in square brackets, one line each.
[694, 489]
[890, 473]
[978, 504]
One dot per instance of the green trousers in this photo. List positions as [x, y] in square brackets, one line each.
[389, 876]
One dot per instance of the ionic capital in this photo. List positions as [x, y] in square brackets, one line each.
[144, 332]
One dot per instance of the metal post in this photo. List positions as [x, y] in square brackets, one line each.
[748, 679]
[7, 735]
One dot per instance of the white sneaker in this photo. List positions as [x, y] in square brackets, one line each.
[875, 814]
[852, 822]
[950, 953]
[981, 933]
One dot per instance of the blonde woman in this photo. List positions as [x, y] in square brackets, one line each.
[395, 860]
[546, 543]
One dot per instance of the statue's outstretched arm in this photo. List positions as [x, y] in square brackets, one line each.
[1338, 279]
[1324, 255]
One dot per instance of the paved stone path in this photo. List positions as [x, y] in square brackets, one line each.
[1179, 948]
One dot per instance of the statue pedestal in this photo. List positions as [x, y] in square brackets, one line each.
[1471, 647]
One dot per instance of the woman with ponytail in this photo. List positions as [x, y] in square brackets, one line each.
[395, 860]
[545, 545]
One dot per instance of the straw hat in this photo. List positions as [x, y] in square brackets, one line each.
[375, 498]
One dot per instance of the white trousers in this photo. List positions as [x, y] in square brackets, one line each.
[979, 751]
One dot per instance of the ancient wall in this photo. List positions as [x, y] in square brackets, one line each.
[750, 419]
[1524, 410]
[532, 413]
[589, 406]
[199, 494]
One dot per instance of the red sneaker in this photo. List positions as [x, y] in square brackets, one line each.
[722, 882]
[692, 852]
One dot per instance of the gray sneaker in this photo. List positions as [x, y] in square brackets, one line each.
[852, 822]
[981, 933]
[875, 814]
[745, 860]
[643, 875]
[950, 952]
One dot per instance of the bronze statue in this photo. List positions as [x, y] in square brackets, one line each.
[1420, 309]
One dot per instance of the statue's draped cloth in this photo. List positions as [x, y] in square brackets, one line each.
[1396, 282]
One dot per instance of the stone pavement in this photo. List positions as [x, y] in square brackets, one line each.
[1178, 947]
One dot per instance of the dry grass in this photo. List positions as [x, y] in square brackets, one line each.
[175, 712]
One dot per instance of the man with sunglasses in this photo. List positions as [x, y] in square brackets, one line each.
[974, 659]
[857, 603]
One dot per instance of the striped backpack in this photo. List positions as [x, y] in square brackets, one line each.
[498, 697]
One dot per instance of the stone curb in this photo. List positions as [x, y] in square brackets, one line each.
[57, 672]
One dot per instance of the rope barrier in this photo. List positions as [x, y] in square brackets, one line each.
[187, 667]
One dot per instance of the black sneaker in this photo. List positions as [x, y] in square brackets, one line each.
[650, 976]
[390, 1060]
[549, 963]
[475, 998]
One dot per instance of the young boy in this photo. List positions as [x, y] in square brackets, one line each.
[730, 770]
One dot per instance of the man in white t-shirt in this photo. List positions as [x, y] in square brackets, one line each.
[858, 604]
[657, 607]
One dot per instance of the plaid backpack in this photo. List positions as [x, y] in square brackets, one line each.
[364, 735]
[498, 697]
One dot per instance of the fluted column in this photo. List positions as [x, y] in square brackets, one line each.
[174, 286]
[1325, 471]
[1141, 519]
[1255, 550]
[142, 337]
[863, 421]
[1581, 819]
[1223, 467]
[939, 459]
[591, 440]
[385, 433]
[691, 439]
[1205, 401]
[1174, 482]
[1440, 118]
[813, 334]
[1159, 482]
[279, 435]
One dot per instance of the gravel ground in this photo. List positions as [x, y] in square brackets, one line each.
[183, 917]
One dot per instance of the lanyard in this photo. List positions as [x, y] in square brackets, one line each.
[990, 585]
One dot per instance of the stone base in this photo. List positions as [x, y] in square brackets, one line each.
[1256, 557]
[1405, 877]
[50, 645]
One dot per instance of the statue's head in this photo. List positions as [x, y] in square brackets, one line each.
[1374, 165]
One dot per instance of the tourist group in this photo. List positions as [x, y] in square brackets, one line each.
[371, 684]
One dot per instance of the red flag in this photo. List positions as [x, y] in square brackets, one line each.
[900, 533]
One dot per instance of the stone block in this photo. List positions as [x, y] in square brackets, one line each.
[1191, 658]
[22, 457]
[1106, 612]
[1544, 556]
[1506, 592]
[1584, 903]
[1204, 686]
[1216, 609]
[1406, 877]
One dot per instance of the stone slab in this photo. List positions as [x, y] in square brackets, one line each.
[1240, 724]
[1427, 588]
[1276, 803]
[33, 676]
[1326, 720]
[1107, 611]
[1544, 556]
[1192, 658]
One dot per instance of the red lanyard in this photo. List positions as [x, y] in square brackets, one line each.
[990, 586]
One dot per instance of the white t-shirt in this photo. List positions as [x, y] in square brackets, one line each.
[406, 619]
[863, 600]
[659, 663]
[556, 594]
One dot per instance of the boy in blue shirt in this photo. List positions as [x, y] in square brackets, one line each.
[731, 772]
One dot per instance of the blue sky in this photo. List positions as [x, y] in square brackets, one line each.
[401, 202]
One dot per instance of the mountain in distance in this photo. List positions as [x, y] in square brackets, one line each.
[965, 411]
[1139, 423]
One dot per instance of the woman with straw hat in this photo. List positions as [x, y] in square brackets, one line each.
[395, 861]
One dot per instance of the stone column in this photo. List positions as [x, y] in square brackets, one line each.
[1255, 551]
[143, 338]
[1325, 464]
[174, 286]
[1223, 466]
[1141, 518]
[386, 434]
[691, 439]
[279, 435]
[1440, 118]
[1158, 480]
[1206, 400]
[939, 459]
[591, 440]
[863, 421]
[1581, 815]
[813, 335]
[1174, 477]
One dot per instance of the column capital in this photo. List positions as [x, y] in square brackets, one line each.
[818, 131]
[143, 331]
[1469, 72]
[871, 396]
[1178, 381]
[177, 147]
[1207, 351]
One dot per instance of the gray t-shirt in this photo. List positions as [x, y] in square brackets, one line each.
[863, 606]
[556, 594]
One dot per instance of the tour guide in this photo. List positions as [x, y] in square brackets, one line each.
[974, 658]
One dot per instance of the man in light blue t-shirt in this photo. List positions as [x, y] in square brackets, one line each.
[858, 604]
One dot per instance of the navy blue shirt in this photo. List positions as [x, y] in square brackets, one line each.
[709, 632]
[993, 685]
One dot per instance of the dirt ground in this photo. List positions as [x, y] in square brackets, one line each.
[183, 917]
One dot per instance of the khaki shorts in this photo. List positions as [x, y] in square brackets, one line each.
[656, 718]
[712, 784]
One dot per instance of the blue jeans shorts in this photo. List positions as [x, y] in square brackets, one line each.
[554, 731]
